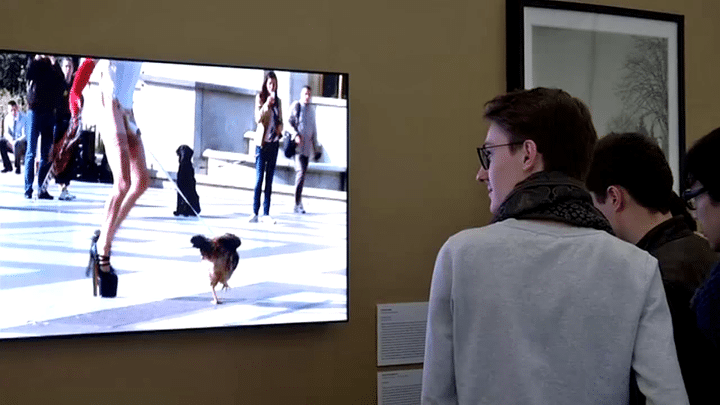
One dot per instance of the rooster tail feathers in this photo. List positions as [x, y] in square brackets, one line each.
[234, 259]
[229, 241]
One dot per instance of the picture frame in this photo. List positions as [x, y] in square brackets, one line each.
[627, 65]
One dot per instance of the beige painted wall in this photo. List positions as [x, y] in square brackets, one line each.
[419, 73]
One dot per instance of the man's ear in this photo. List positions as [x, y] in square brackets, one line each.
[617, 198]
[532, 159]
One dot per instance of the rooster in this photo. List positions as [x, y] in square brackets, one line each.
[222, 253]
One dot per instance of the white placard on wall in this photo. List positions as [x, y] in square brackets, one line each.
[401, 333]
[402, 387]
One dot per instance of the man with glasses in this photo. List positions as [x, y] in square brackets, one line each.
[545, 305]
[704, 196]
[632, 185]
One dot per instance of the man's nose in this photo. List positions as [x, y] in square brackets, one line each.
[482, 175]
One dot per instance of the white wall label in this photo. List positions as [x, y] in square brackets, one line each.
[401, 333]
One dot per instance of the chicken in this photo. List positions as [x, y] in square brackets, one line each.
[222, 253]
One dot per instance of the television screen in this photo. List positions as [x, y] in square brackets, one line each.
[214, 144]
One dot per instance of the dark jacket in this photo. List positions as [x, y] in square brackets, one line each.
[706, 304]
[685, 260]
[45, 85]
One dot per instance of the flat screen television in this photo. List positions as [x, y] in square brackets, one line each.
[292, 268]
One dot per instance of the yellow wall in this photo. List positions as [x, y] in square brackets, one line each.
[419, 73]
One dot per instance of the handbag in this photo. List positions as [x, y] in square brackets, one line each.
[289, 145]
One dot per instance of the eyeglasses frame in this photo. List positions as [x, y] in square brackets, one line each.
[690, 195]
[484, 159]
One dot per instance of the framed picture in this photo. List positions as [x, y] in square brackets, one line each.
[626, 65]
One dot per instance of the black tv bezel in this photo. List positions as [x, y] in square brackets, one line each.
[220, 329]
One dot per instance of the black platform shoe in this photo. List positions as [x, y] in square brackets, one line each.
[92, 267]
[108, 280]
[93, 253]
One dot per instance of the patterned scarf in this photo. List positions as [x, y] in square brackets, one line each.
[552, 196]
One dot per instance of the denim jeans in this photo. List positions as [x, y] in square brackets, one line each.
[41, 126]
[265, 160]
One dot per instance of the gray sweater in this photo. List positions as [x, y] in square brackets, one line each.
[304, 124]
[530, 312]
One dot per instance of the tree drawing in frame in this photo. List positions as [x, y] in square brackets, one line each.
[644, 91]
[625, 64]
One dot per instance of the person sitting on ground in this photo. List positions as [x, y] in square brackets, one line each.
[13, 138]
[15, 127]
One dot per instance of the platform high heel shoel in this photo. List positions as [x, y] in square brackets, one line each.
[93, 265]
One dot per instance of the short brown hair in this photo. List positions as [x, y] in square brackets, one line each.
[558, 123]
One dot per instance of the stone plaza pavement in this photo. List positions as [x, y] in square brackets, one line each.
[293, 271]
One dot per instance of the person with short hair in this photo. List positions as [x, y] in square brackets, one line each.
[544, 305]
[703, 194]
[14, 139]
[632, 185]
[45, 80]
[304, 131]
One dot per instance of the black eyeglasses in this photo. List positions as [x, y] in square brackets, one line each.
[689, 196]
[484, 153]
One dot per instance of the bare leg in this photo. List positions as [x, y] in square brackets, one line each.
[118, 155]
[139, 177]
[126, 158]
